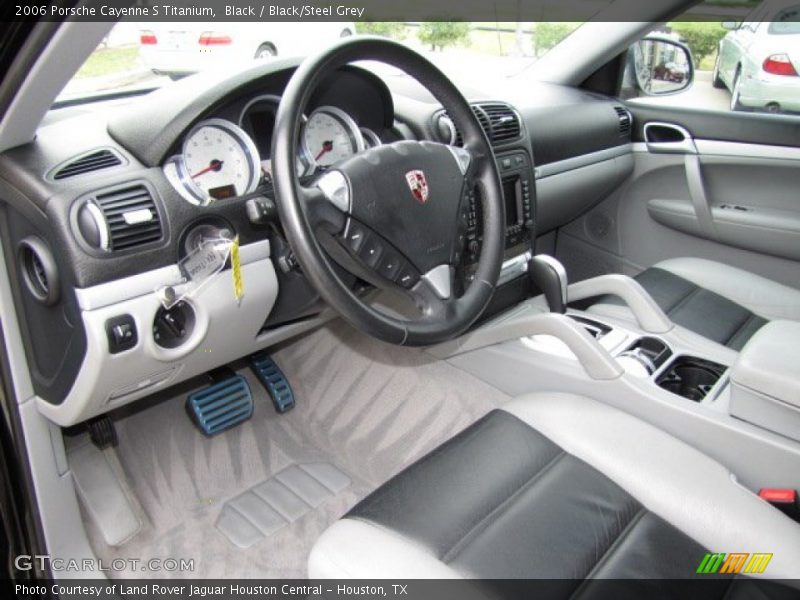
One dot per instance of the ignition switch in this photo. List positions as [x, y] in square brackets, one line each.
[173, 326]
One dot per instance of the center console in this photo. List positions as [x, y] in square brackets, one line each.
[516, 171]
[765, 379]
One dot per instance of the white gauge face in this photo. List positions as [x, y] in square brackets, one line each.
[219, 161]
[329, 136]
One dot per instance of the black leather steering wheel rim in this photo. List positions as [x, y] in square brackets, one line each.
[451, 317]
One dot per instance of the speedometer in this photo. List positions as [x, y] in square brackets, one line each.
[218, 161]
[329, 136]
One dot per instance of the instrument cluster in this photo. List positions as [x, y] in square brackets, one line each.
[220, 159]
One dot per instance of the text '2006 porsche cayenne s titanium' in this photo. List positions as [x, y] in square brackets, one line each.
[510, 297]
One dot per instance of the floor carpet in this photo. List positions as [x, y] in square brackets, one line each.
[368, 408]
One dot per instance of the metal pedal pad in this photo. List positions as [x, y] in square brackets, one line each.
[273, 379]
[221, 405]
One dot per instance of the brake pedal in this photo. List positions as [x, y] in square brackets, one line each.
[273, 379]
[221, 406]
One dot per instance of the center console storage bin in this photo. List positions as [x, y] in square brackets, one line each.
[765, 379]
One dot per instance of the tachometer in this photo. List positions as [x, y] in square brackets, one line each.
[329, 136]
[218, 161]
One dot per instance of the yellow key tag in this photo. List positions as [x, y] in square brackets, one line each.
[236, 269]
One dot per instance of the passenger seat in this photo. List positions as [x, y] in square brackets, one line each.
[720, 302]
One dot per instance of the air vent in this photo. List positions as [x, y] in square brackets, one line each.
[38, 268]
[120, 219]
[445, 122]
[499, 121]
[625, 120]
[483, 119]
[503, 122]
[101, 159]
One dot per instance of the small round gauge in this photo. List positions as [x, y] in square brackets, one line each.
[329, 136]
[218, 161]
[371, 139]
[201, 233]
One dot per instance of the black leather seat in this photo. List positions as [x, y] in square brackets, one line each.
[722, 303]
[555, 486]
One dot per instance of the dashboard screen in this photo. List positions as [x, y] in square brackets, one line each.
[222, 192]
[512, 195]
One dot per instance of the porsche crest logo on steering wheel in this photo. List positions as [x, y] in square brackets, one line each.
[418, 185]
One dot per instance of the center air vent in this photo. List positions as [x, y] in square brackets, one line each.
[94, 161]
[498, 120]
[503, 122]
[120, 219]
[625, 120]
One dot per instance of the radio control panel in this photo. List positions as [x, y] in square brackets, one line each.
[516, 174]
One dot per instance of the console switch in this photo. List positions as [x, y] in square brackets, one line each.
[121, 333]
[260, 210]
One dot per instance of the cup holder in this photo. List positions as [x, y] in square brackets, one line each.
[691, 377]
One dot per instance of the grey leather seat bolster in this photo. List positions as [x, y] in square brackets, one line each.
[764, 297]
[721, 303]
[356, 549]
[561, 486]
[685, 487]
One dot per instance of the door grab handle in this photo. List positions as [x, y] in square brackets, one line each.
[668, 138]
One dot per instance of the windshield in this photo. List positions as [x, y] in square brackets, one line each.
[136, 57]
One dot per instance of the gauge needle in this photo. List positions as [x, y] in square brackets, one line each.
[326, 147]
[214, 165]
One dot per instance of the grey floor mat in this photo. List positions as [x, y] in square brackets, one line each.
[365, 407]
[280, 500]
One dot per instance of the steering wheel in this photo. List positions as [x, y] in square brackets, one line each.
[394, 215]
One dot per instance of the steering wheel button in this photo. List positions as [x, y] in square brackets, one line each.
[407, 277]
[371, 251]
[389, 265]
[355, 237]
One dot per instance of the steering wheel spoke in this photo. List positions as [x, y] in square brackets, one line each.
[433, 293]
[465, 159]
[324, 206]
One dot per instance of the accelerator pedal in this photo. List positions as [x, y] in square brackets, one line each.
[273, 379]
[226, 403]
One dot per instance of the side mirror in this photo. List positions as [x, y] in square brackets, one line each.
[660, 66]
[730, 25]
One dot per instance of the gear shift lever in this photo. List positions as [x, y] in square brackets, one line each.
[549, 275]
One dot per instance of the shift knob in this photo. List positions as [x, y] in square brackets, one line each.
[549, 275]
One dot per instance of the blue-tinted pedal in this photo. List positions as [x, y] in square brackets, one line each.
[221, 406]
[272, 378]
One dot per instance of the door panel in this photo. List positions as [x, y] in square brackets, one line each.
[763, 129]
[730, 193]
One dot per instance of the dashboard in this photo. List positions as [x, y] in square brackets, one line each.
[99, 213]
